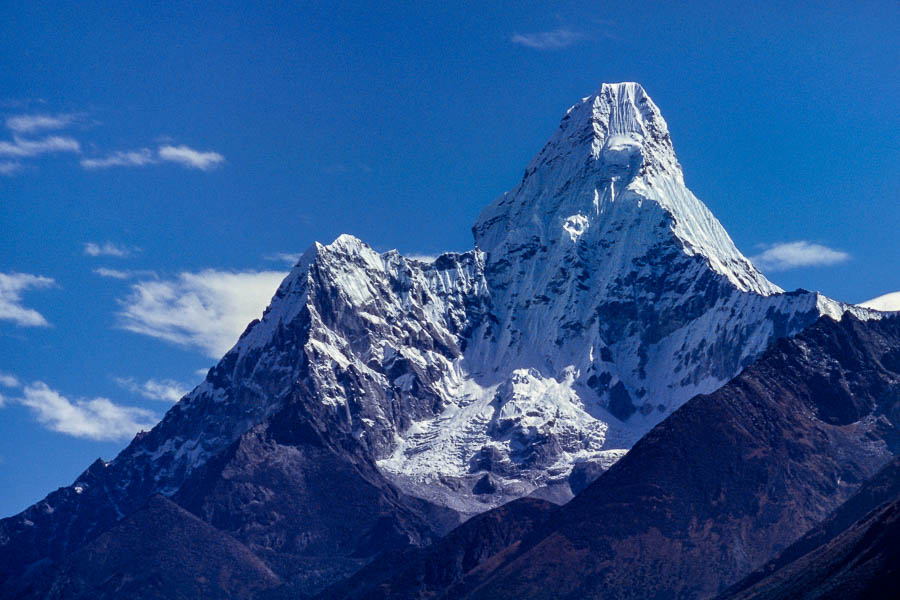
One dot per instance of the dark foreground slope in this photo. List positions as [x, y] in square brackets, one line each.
[441, 569]
[853, 554]
[314, 513]
[729, 480]
[303, 513]
[158, 552]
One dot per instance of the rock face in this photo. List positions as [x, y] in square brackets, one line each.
[159, 552]
[729, 480]
[852, 554]
[443, 568]
[600, 296]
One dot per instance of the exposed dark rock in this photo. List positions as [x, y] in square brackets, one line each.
[158, 552]
[852, 554]
[440, 570]
[727, 481]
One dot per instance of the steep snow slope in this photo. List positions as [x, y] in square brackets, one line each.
[887, 302]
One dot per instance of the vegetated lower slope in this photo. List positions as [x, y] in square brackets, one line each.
[729, 480]
[853, 554]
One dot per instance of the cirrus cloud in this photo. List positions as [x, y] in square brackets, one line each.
[549, 40]
[21, 147]
[10, 167]
[165, 390]
[207, 310]
[129, 158]
[12, 286]
[191, 158]
[31, 123]
[107, 249]
[792, 255]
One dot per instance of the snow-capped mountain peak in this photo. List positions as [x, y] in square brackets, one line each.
[609, 176]
[601, 295]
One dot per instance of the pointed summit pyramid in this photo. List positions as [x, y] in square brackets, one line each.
[380, 397]
[609, 175]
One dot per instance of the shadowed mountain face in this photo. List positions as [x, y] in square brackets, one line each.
[852, 554]
[441, 569]
[380, 400]
[158, 552]
[729, 480]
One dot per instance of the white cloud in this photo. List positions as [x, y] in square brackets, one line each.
[189, 157]
[8, 380]
[287, 257]
[30, 123]
[166, 390]
[20, 147]
[12, 285]
[10, 167]
[95, 418]
[130, 158]
[107, 249]
[113, 273]
[124, 274]
[206, 310]
[886, 302]
[548, 40]
[791, 255]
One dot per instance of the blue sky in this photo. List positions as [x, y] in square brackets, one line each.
[155, 164]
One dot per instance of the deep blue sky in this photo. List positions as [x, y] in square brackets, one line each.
[397, 125]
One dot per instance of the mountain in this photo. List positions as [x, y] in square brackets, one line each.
[886, 302]
[727, 481]
[159, 552]
[441, 569]
[380, 400]
[852, 554]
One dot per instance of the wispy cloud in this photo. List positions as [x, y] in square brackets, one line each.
[10, 167]
[206, 310]
[191, 158]
[124, 274]
[107, 249]
[21, 147]
[285, 257]
[165, 390]
[791, 255]
[12, 286]
[10, 381]
[94, 418]
[130, 158]
[31, 123]
[112, 273]
[183, 155]
[561, 37]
